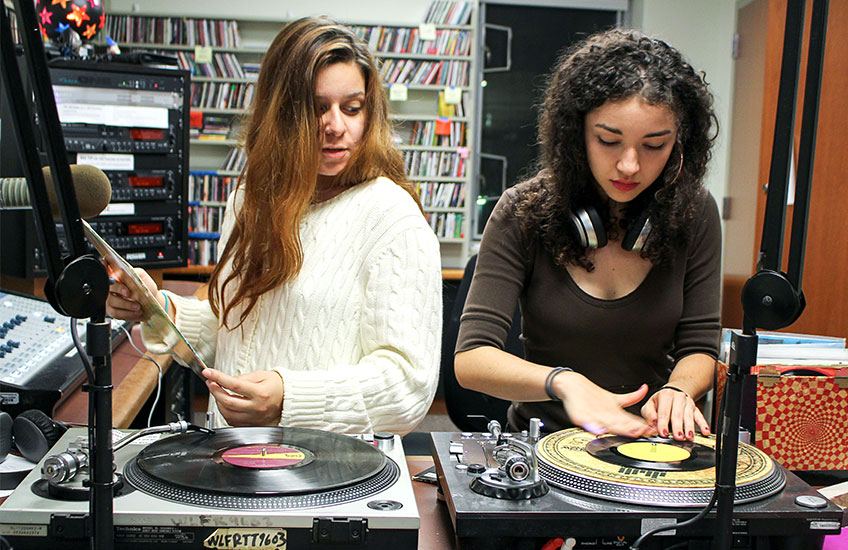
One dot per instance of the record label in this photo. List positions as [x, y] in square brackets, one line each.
[653, 452]
[263, 456]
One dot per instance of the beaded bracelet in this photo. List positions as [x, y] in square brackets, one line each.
[549, 381]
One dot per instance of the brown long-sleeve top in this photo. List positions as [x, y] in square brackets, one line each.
[618, 344]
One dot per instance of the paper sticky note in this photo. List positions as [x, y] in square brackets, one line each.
[398, 92]
[443, 126]
[195, 118]
[463, 152]
[202, 54]
[427, 31]
[453, 95]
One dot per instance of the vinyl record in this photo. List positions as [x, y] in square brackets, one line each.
[261, 461]
[653, 453]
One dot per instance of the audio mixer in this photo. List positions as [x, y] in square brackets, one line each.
[39, 365]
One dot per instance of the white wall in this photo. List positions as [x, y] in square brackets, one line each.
[703, 31]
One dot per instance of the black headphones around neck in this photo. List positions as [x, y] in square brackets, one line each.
[589, 231]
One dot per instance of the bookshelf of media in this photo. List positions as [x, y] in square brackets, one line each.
[427, 71]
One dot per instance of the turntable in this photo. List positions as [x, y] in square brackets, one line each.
[247, 488]
[605, 492]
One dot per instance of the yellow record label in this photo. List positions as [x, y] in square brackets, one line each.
[654, 452]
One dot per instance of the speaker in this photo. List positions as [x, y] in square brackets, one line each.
[5, 435]
[32, 432]
[588, 229]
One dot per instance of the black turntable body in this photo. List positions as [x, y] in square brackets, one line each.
[599, 507]
[239, 488]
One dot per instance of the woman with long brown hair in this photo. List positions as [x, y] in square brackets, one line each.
[324, 307]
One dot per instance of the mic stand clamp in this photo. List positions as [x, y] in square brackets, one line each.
[743, 355]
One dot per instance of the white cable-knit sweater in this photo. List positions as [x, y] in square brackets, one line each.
[357, 335]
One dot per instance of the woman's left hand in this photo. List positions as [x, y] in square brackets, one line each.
[677, 408]
[253, 399]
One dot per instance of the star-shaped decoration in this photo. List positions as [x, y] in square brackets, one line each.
[102, 20]
[63, 2]
[78, 15]
[62, 27]
[46, 16]
[90, 30]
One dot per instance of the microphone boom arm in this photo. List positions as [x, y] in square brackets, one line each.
[78, 284]
[772, 299]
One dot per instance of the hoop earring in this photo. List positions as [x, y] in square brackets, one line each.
[679, 168]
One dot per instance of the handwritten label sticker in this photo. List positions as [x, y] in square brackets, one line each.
[453, 95]
[202, 54]
[247, 539]
[427, 31]
[398, 92]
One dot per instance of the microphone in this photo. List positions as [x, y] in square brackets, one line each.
[91, 186]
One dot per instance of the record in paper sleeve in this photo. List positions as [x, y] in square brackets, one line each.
[153, 313]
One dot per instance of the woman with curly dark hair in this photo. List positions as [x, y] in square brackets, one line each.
[613, 249]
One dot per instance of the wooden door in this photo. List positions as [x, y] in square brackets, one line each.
[825, 281]
[747, 113]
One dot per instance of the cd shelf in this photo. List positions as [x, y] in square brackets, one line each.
[432, 133]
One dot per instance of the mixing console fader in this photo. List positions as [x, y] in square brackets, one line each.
[39, 365]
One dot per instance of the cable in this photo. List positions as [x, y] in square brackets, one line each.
[158, 366]
[700, 515]
[81, 350]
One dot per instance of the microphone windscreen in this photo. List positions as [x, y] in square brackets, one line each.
[92, 188]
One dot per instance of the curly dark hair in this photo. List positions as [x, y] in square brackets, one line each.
[612, 66]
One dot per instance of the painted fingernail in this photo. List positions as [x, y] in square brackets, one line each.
[593, 428]
[665, 433]
[691, 434]
[679, 434]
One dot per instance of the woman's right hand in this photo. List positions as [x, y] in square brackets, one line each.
[597, 410]
[121, 305]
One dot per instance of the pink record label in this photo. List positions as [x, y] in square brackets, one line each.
[263, 456]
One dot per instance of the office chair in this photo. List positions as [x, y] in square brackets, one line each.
[462, 404]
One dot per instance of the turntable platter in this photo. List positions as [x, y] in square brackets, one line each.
[261, 460]
[261, 468]
[654, 471]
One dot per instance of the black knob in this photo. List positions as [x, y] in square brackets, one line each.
[475, 469]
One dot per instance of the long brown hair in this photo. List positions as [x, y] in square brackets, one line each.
[283, 145]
